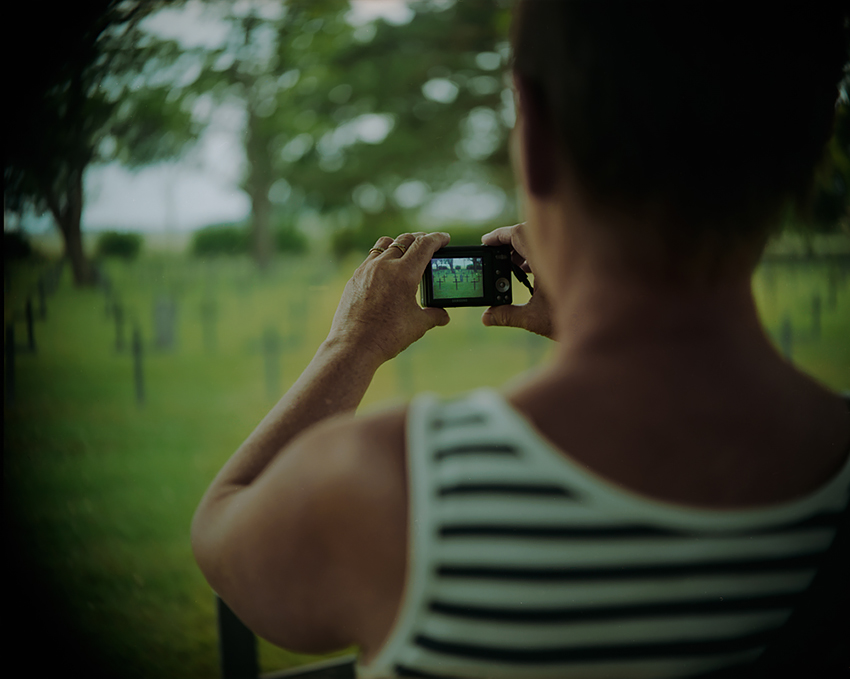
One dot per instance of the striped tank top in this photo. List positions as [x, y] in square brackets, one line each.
[524, 564]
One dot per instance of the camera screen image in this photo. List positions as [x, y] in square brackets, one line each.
[457, 277]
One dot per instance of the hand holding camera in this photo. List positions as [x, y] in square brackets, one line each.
[535, 316]
[378, 314]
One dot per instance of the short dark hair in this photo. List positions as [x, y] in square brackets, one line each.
[718, 112]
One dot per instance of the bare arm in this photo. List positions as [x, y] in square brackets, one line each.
[288, 479]
[375, 321]
[334, 382]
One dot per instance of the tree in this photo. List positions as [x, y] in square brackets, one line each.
[339, 116]
[92, 101]
[436, 85]
[830, 203]
[272, 66]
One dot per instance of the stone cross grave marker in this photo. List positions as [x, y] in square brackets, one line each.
[138, 374]
[165, 323]
[118, 316]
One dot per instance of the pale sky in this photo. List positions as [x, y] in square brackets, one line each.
[202, 188]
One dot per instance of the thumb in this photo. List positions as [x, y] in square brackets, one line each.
[533, 316]
[505, 315]
[437, 316]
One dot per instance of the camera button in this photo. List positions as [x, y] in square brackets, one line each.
[503, 285]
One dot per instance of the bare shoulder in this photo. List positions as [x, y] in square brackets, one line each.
[322, 537]
[747, 437]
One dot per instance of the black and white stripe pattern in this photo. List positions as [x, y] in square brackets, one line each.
[526, 565]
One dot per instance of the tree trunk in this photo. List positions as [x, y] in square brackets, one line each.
[259, 181]
[68, 218]
[81, 267]
[261, 232]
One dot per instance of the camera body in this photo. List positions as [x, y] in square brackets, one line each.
[478, 275]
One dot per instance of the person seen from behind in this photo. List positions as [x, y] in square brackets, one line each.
[663, 498]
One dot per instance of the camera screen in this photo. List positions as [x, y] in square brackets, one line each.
[457, 277]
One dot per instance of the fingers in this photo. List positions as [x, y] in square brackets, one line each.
[380, 247]
[424, 247]
[501, 236]
[515, 236]
[398, 247]
[421, 245]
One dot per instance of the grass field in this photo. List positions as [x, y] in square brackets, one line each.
[101, 491]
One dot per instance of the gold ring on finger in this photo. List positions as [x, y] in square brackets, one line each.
[378, 250]
[401, 247]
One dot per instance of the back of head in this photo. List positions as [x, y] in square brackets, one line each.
[718, 112]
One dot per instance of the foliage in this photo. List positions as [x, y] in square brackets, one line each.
[235, 239]
[16, 245]
[98, 102]
[830, 204]
[363, 237]
[364, 122]
[220, 239]
[359, 238]
[288, 239]
[826, 209]
[438, 81]
[119, 244]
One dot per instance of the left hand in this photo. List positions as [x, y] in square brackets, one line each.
[378, 312]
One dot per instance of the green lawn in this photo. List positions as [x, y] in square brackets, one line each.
[103, 491]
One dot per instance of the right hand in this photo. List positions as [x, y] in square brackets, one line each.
[535, 316]
[378, 312]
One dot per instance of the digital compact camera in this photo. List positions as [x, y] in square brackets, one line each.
[478, 275]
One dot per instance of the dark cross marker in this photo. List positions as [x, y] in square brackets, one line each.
[9, 372]
[137, 367]
[118, 314]
[816, 315]
[30, 328]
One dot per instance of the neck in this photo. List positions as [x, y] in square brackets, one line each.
[602, 311]
[618, 288]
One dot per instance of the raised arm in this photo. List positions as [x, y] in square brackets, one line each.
[377, 318]
[270, 511]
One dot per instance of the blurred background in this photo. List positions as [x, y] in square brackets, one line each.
[187, 187]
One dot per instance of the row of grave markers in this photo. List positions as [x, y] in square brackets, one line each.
[46, 285]
[165, 314]
[272, 345]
